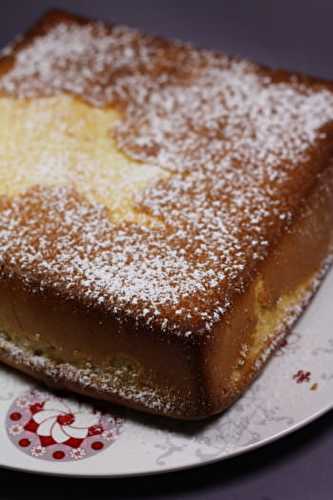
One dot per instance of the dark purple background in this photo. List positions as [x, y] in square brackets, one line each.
[295, 34]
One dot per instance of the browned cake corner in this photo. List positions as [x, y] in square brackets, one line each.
[166, 214]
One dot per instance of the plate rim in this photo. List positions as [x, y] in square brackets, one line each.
[241, 451]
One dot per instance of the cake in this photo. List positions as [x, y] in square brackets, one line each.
[166, 214]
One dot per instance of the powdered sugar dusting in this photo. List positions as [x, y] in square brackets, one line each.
[97, 62]
[239, 144]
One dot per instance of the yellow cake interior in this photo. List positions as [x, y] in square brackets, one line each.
[61, 141]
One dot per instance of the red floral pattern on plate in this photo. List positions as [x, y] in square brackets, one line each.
[50, 428]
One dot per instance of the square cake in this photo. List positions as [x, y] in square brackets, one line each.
[166, 214]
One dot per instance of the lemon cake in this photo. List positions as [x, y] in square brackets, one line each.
[166, 214]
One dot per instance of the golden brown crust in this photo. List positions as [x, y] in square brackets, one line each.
[245, 151]
[218, 373]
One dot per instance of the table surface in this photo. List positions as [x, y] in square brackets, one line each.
[292, 34]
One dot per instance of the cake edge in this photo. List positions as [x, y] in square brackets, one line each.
[67, 377]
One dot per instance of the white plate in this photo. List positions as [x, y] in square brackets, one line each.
[77, 441]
